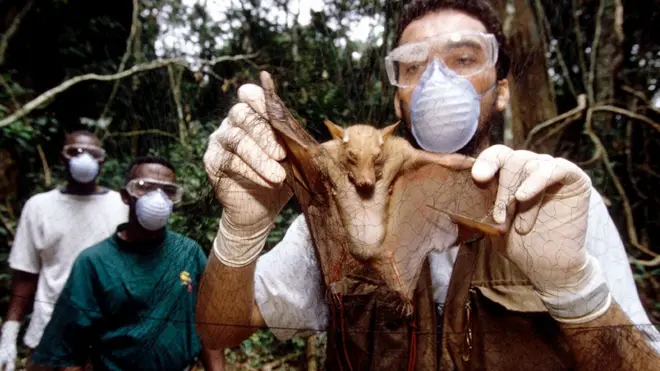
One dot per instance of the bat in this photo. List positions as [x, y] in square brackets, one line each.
[372, 158]
[411, 190]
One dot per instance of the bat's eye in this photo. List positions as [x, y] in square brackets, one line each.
[378, 157]
[352, 158]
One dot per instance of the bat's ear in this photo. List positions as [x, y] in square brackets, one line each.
[336, 131]
[388, 130]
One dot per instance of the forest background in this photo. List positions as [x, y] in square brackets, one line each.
[157, 76]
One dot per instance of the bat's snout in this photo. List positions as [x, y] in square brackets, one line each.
[367, 179]
[365, 183]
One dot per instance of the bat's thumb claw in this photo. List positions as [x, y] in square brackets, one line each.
[266, 81]
[458, 162]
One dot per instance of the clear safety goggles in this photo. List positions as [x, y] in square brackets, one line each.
[141, 186]
[72, 150]
[467, 53]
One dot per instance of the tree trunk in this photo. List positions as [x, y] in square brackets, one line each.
[506, 134]
[8, 176]
[606, 57]
[532, 93]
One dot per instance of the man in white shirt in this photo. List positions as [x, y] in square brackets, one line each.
[54, 227]
[572, 253]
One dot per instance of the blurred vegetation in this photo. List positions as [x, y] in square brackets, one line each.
[321, 73]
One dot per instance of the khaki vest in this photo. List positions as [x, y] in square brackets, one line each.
[492, 320]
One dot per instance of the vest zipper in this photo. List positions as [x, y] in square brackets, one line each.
[468, 327]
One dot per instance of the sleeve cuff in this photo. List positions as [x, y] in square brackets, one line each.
[23, 267]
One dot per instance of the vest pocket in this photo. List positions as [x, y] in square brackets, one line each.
[369, 330]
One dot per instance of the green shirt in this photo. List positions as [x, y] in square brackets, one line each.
[128, 306]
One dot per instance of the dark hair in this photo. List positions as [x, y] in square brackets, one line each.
[480, 9]
[85, 133]
[130, 173]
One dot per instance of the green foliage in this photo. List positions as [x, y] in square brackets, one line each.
[263, 348]
[18, 133]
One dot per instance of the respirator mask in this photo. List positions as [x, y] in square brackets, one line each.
[155, 201]
[445, 106]
[83, 161]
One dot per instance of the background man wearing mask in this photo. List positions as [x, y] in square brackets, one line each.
[54, 227]
[132, 296]
[450, 67]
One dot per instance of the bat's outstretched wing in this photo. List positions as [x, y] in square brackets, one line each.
[302, 149]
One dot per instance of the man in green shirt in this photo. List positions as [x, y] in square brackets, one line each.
[129, 302]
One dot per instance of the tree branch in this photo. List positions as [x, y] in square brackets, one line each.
[281, 361]
[552, 132]
[609, 108]
[628, 113]
[560, 57]
[641, 96]
[647, 263]
[629, 154]
[225, 58]
[210, 72]
[52, 93]
[580, 43]
[630, 222]
[311, 348]
[40, 151]
[648, 170]
[571, 115]
[175, 84]
[618, 19]
[594, 51]
[124, 58]
[587, 130]
[11, 31]
[44, 166]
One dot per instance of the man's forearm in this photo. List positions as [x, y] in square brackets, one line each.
[226, 311]
[610, 342]
[213, 359]
[23, 288]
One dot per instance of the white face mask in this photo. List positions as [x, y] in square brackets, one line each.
[84, 168]
[153, 210]
[444, 110]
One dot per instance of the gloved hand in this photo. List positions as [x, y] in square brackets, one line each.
[8, 345]
[241, 162]
[547, 238]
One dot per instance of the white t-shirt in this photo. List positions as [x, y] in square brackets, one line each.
[53, 229]
[288, 281]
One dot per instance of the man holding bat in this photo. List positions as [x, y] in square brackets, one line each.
[449, 65]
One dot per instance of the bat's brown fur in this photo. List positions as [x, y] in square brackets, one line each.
[372, 159]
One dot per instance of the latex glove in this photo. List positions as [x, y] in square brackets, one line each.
[547, 239]
[241, 163]
[8, 345]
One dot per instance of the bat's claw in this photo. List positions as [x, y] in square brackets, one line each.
[488, 228]
[266, 81]
[453, 161]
